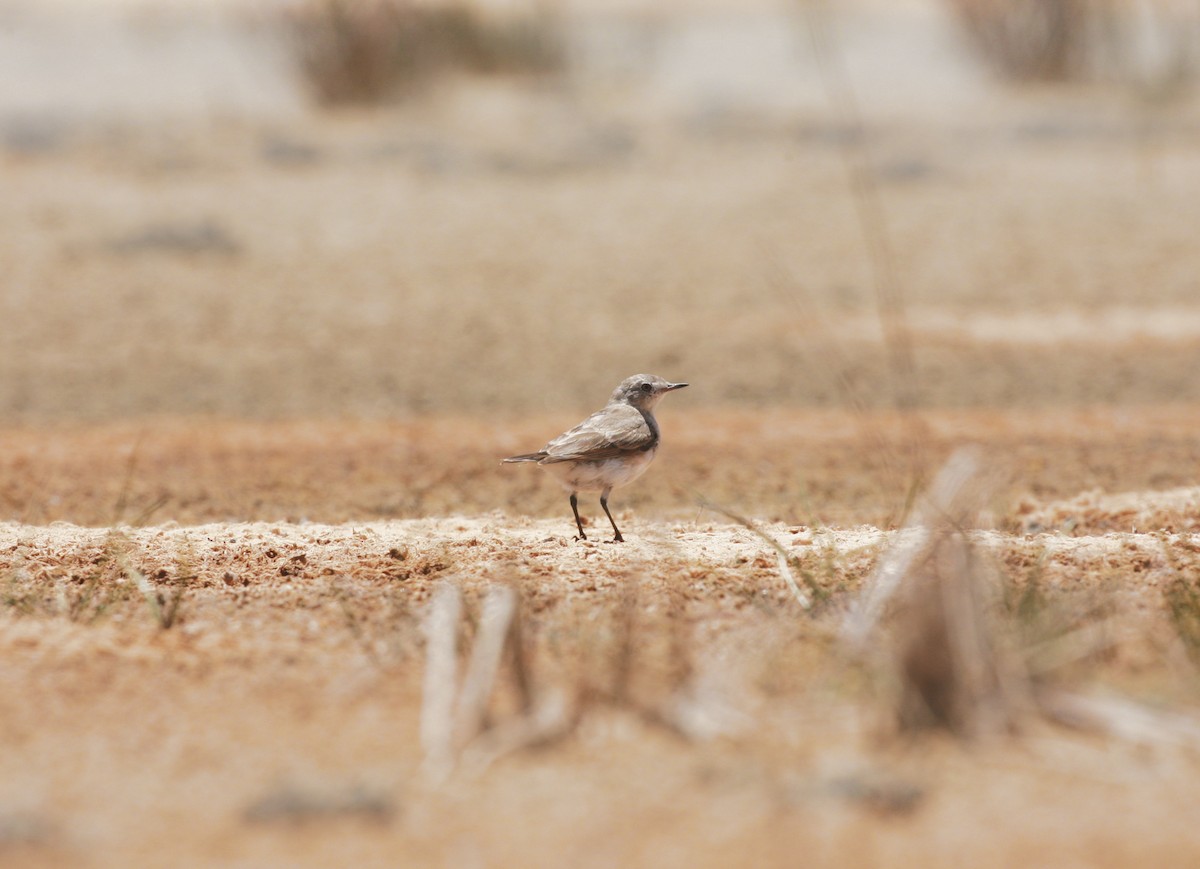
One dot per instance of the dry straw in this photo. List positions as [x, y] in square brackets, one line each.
[928, 622]
[369, 51]
[1152, 43]
[457, 728]
[945, 654]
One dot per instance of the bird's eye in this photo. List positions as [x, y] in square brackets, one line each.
[646, 387]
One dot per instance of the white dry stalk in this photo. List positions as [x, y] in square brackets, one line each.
[547, 720]
[975, 656]
[441, 679]
[454, 726]
[1122, 719]
[479, 683]
[702, 711]
[143, 584]
[893, 567]
[1073, 647]
[992, 688]
[785, 566]
[785, 570]
[960, 469]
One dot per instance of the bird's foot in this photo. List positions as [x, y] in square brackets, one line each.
[617, 539]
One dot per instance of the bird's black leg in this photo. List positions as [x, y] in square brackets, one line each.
[604, 504]
[575, 510]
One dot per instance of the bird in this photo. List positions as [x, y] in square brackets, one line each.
[611, 448]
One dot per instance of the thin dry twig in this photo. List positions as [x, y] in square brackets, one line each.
[1121, 718]
[622, 670]
[441, 678]
[164, 608]
[1057, 653]
[954, 672]
[950, 498]
[519, 660]
[456, 730]
[547, 721]
[479, 682]
[781, 554]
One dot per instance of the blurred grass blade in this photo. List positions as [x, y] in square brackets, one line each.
[781, 554]
[441, 680]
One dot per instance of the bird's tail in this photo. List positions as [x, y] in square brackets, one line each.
[526, 457]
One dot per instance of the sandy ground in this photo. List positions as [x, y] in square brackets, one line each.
[812, 467]
[260, 365]
[276, 719]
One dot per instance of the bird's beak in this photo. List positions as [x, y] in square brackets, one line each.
[676, 386]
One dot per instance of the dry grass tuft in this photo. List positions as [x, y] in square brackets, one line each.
[1183, 604]
[954, 672]
[1064, 40]
[499, 703]
[962, 661]
[368, 51]
[458, 726]
[947, 658]
[1028, 40]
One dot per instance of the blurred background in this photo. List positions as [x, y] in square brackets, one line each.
[383, 208]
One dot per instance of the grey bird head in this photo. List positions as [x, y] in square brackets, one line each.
[643, 391]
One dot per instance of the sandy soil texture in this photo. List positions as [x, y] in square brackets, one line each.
[276, 719]
[259, 365]
[807, 467]
[233, 692]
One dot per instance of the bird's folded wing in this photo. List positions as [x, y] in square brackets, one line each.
[606, 434]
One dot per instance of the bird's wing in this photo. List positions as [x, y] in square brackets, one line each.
[609, 433]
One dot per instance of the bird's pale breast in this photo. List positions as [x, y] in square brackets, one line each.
[602, 474]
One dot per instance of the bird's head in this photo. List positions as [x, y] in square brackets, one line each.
[643, 391]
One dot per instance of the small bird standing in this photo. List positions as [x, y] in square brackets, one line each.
[612, 447]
